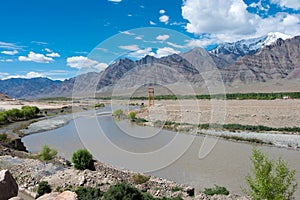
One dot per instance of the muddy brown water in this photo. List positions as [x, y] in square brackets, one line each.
[158, 152]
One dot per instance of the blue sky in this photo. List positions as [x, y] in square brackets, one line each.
[58, 38]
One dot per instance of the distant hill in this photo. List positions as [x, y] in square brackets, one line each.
[272, 67]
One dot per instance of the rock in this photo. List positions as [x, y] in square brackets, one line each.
[16, 198]
[67, 195]
[81, 180]
[8, 185]
[190, 191]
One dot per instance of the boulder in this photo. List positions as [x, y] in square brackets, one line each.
[8, 185]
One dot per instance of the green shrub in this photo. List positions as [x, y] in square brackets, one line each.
[122, 191]
[131, 116]
[3, 137]
[82, 159]
[176, 189]
[118, 114]
[271, 180]
[216, 190]
[43, 188]
[139, 178]
[47, 153]
[99, 105]
[88, 193]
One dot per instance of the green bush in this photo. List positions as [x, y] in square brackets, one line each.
[176, 189]
[99, 105]
[88, 193]
[82, 159]
[123, 191]
[271, 180]
[3, 137]
[118, 114]
[139, 178]
[131, 116]
[216, 190]
[43, 188]
[47, 153]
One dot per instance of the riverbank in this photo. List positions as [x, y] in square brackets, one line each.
[29, 172]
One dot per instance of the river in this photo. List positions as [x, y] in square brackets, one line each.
[158, 152]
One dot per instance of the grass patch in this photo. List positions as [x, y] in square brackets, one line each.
[176, 189]
[216, 190]
[139, 178]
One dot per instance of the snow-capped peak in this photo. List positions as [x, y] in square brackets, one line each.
[249, 46]
[273, 36]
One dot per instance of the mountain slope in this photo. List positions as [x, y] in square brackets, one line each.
[273, 62]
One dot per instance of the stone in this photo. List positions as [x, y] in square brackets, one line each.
[190, 191]
[81, 180]
[50, 196]
[67, 195]
[8, 185]
[16, 198]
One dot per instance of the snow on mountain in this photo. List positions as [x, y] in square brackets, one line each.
[248, 46]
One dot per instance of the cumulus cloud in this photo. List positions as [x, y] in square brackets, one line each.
[14, 52]
[133, 47]
[53, 55]
[294, 4]
[230, 20]
[162, 37]
[35, 57]
[162, 12]
[80, 62]
[165, 51]
[164, 19]
[176, 45]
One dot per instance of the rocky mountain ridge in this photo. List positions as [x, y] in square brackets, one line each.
[278, 62]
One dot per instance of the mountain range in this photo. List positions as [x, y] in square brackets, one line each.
[270, 63]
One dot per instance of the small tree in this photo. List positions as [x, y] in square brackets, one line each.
[47, 153]
[272, 180]
[82, 159]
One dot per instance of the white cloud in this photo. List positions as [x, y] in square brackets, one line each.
[126, 33]
[35, 57]
[152, 23]
[3, 75]
[53, 55]
[165, 51]
[294, 4]
[6, 60]
[14, 52]
[6, 45]
[115, 1]
[162, 12]
[28, 75]
[133, 47]
[48, 50]
[175, 45]
[81, 62]
[162, 37]
[164, 19]
[140, 53]
[139, 37]
[229, 20]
